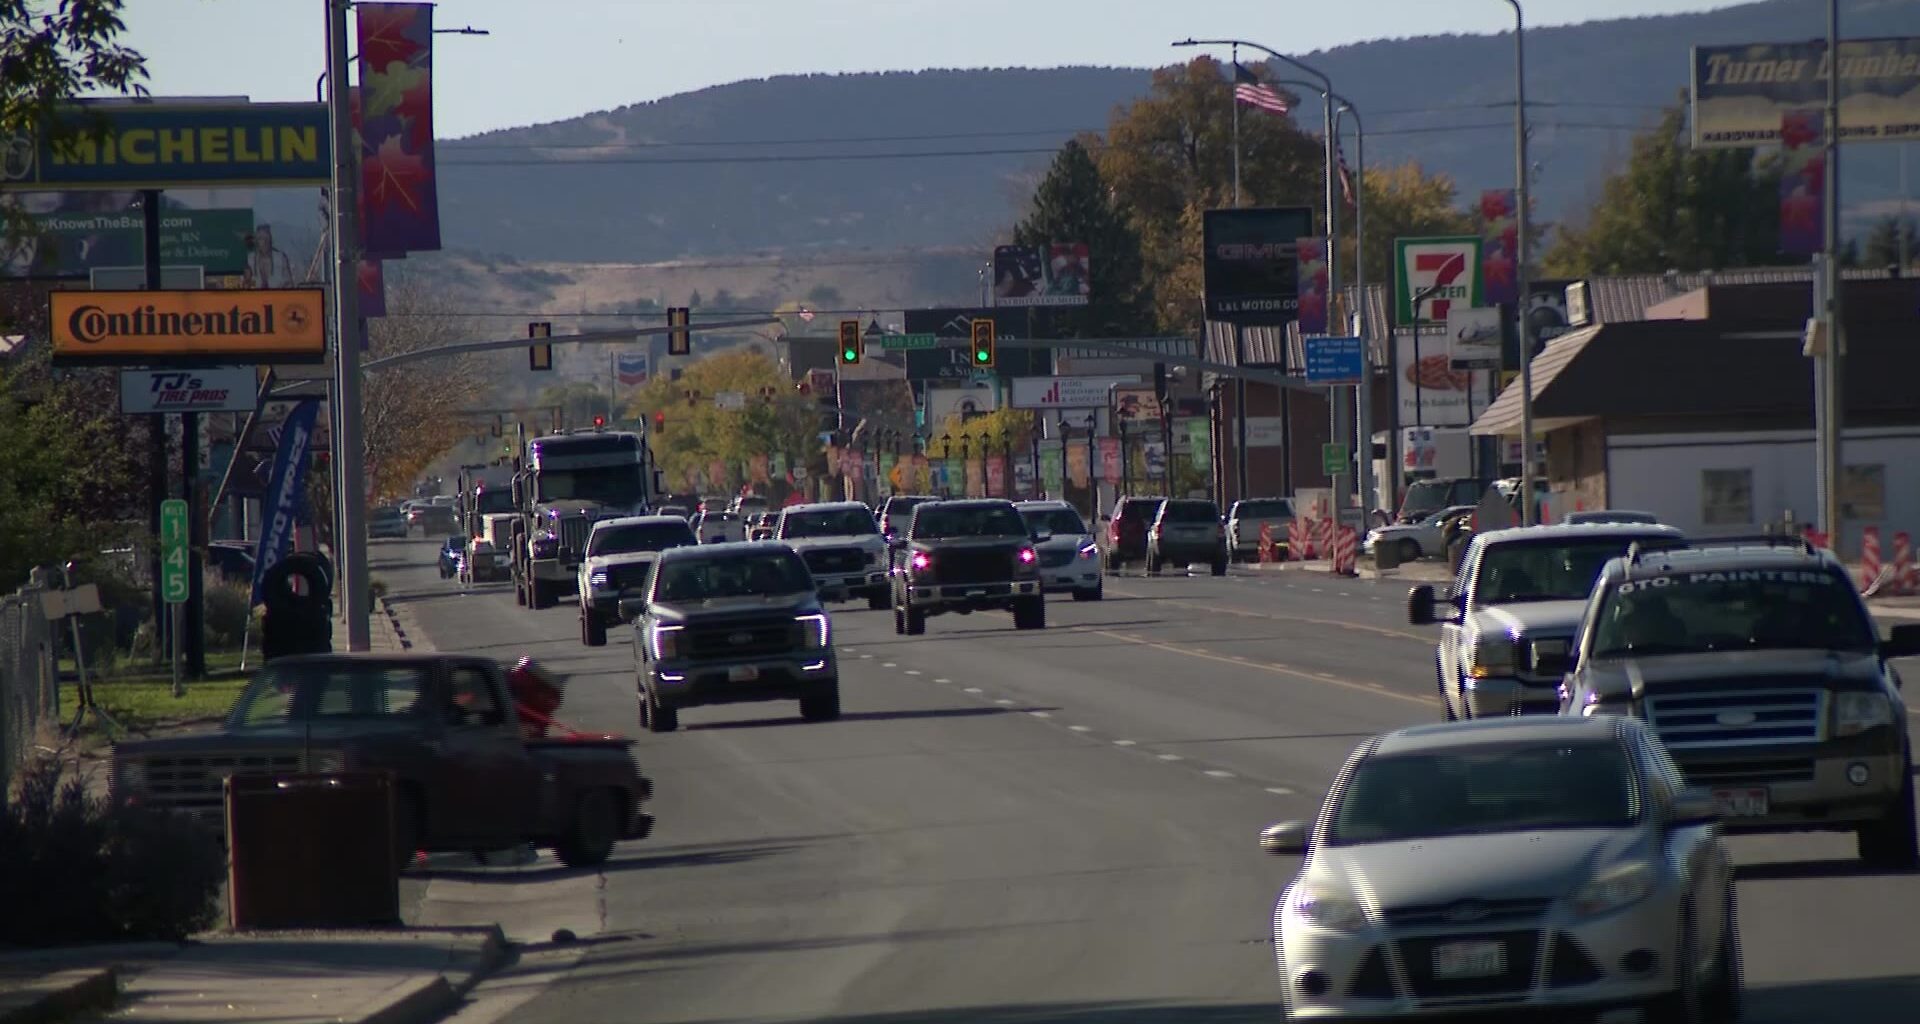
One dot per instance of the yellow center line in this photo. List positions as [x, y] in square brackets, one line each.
[1399, 634]
[1361, 687]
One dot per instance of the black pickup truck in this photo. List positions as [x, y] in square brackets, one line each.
[442, 726]
[967, 556]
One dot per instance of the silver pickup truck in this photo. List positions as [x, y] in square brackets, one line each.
[1515, 587]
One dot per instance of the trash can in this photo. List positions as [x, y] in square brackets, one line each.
[299, 620]
[311, 851]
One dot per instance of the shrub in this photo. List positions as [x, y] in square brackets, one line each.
[74, 868]
[228, 614]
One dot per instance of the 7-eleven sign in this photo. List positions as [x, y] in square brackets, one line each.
[1448, 265]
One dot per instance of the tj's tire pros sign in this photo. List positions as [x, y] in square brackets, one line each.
[147, 328]
[1252, 264]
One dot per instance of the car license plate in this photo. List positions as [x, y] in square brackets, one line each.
[1453, 960]
[1745, 802]
[743, 674]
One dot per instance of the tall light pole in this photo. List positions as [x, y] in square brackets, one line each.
[1835, 356]
[1528, 506]
[1327, 99]
[350, 532]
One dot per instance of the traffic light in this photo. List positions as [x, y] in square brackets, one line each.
[851, 344]
[599, 421]
[540, 357]
[680, 339]
[983, 355]
[659, 422]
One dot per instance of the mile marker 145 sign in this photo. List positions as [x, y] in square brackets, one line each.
[173, 550]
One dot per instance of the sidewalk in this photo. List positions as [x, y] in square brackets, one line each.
[397, 976]
[1423, 571]
[387, 631]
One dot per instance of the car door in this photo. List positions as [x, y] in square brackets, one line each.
[1453, 633]
[1694, 851]
[491, 786]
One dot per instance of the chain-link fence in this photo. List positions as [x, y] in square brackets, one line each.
[27, 678]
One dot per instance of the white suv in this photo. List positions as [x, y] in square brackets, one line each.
[620, 554]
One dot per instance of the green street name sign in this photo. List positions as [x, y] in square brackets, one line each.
[897, 342]
[1333, 459]
[173, 551]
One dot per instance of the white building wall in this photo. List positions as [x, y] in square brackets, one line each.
[1668, 474]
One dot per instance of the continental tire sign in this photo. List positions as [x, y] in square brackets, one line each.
[162, 327]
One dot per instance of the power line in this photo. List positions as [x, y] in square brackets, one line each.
[939, 137]
[756, 159]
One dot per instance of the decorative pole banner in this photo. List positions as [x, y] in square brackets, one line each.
[396, 147]
[1110, 459]
[1311, 268]
[1803, 179]
[1500, 251]
[372, 278]
[286, 491]
[1078, 469]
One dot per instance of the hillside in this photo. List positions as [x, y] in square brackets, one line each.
[739, 169]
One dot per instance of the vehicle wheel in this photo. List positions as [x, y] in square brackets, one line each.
[657, 717]
[1114, 564]
[593, 631]
[592, 832]
[916, 621]
[1682, 1005]
[1440, 687]
[822, 706]
[878, 600]
[899, 621]
[1723, 998]
[1891, 844]
[1093, 593]
[409, 828]
[539, 596]
[1030, 612]
[1409, 550]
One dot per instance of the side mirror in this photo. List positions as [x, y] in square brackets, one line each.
[1420, 610]
[1286, 838]
[1693, 806]
[659, 481]
[632, 608]
[1903, 641]
[1549, 657]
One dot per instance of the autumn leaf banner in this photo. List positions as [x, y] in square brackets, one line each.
[1311, 262]
[402, 203]
[1803, 181]
[1499, 254]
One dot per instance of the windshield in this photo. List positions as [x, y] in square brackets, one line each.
[932, 521]
[703, 579]
[330, 690]
[1138, 511]
[1426, 494]
[620, 540]
[489, 502]
[1740, 609]
[387, 513]
[1190, 512]
[1057, 521]
[835, 522]
[1271, 509]
[1486, 789]
[1550, 570]
[606, 485]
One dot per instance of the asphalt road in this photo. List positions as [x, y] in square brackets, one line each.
[1051, 826]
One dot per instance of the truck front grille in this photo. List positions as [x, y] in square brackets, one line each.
[573, 533]
[1758, 772]
[1491, 911]
[199, 782]
[834, 560]
[1736, 718]
[742, 639]
[972, 566]
[629, 575]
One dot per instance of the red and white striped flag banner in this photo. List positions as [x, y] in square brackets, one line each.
[1248, 89]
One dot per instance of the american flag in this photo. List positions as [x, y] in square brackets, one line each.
[1248, 89]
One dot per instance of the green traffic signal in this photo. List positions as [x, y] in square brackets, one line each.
[981, 356]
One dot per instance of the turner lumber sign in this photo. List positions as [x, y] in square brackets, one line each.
[172, 327]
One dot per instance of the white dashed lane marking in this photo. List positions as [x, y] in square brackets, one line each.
[888, 664]
[1123, 743]
[1279, 791]
[1002, 700]
[973, 689]
[913, 671]
[1218, 774]
[1171, 757]
[943, 680]
[1040, 714]
[1080, 728]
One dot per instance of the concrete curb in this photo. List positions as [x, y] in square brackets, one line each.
[430, 999]
[65, 994]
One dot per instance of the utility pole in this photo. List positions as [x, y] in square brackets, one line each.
[1832, 389]
[1529, 507]
[350, 484]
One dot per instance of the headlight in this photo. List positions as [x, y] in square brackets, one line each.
[1026, 559]
[1089, 550]
[1334, 911]
[813, 631]
[598, 578]
[326, 762]
[1618, 886]
[545, 545]
[921, 561]
[1858, 712]
[666, 642]
[1492, 655]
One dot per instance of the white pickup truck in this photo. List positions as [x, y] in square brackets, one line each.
[843, 548]
[620, 553]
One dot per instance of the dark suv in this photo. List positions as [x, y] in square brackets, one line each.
[967, 556]
[1187, 530]
[1756, 663]
[1127, 530]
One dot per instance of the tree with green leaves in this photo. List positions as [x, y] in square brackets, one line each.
[1892, 238]
[1674, 207]
[1073, 204]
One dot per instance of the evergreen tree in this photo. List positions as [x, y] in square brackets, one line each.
[1073, 204]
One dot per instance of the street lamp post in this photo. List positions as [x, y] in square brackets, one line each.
[1528, 506]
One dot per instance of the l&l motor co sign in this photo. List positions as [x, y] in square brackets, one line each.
[185, 327]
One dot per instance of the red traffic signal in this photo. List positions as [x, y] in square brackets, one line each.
[599, 421]
[659, 421]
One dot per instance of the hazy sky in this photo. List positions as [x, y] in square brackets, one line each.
[548, 60]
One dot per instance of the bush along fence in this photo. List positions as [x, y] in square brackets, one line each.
[29, 687]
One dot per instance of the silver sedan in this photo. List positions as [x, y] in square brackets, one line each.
[1415, 540]
[1504, 864]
